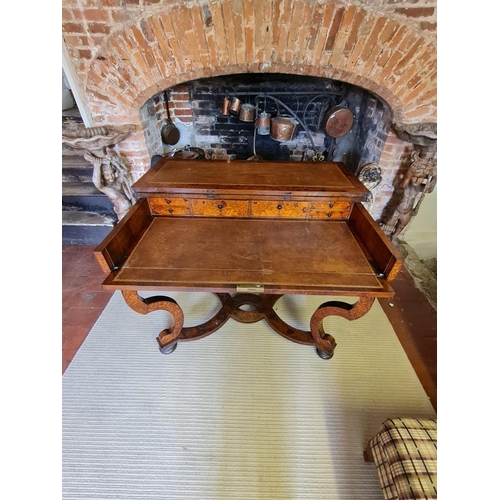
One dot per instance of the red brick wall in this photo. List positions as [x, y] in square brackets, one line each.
[126, 51]
[179, 104]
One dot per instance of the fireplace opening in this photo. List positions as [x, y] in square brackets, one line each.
[196, 109]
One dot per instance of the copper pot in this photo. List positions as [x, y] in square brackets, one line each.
[226, 102]
[188, 153]
[247, 113]
[283, 128]
[263, 123]
[235, 105]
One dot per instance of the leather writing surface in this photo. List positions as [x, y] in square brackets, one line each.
[274, 252]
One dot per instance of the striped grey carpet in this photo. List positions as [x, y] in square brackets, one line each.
[241, 414]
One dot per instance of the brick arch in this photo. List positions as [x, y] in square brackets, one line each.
[350, 44]
[331, 40]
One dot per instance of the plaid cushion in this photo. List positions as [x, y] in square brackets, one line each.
[405, 452]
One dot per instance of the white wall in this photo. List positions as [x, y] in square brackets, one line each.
[67, 97]
[421, 233]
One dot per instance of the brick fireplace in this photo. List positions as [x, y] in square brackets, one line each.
[380, 54]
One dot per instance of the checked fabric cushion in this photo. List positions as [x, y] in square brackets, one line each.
[405, 453]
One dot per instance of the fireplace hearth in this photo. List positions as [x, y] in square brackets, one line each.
[198, 106]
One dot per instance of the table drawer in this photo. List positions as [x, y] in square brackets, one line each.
[331, 210]
[223, 208]
[170, 206]
[295, 210]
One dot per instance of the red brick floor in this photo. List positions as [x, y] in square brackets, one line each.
[409, 312]
[83, 300]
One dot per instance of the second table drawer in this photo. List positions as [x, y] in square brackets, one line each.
[224, 208]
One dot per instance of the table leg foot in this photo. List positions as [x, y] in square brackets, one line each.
[325, 348]
[323, 354]
[167, 349]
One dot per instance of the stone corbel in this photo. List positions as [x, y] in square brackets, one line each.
[420, 134]
[111, 173]
[419, 180]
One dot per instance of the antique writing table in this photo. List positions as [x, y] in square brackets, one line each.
[249, 232]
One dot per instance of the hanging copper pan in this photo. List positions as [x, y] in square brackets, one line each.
[170, 134]
[338, 121]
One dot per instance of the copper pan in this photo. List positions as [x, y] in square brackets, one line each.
[170, 134]
[338, 121]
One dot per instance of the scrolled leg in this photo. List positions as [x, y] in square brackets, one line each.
[167, 339]
[260, 307]
[325, 343]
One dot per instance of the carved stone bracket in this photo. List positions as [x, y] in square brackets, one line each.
[419, 180]
[420, 134]
[259, 307]
[111, 174]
